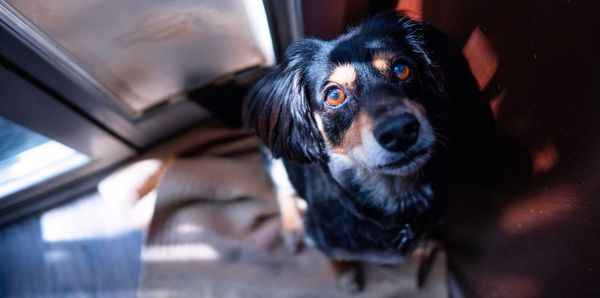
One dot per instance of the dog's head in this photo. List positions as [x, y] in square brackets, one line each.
[366, 99]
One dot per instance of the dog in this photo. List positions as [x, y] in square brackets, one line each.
[368, 130]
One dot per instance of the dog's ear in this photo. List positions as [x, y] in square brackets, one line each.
[277, 108]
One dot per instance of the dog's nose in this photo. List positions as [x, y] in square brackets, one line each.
[399, 133]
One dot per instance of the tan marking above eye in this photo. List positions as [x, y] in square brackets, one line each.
[344, 75]
[381, 61]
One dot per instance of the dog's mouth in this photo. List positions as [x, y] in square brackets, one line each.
[408, 163]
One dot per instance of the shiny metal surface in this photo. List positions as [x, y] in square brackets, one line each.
[146, 52]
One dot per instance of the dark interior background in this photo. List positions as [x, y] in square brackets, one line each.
[537, 63]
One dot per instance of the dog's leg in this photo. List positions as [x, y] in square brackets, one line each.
[427, 252]
[349, 276]
[291, 217]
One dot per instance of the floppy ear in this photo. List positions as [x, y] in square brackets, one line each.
[277, 107]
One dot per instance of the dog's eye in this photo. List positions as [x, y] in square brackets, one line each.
[335, 97]
[401, 71]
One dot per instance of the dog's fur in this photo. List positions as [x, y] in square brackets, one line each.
[366, 202]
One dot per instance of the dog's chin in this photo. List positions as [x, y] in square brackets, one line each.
[406, 165]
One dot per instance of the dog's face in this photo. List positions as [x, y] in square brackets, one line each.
[370, 102]
[365, 99]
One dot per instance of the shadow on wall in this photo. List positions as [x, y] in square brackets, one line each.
[537, 63]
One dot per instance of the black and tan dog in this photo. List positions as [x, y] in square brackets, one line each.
[368, 129]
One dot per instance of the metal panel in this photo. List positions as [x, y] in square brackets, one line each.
[46, 63]
[144, 53]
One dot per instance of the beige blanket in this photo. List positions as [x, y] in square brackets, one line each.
[215, 232]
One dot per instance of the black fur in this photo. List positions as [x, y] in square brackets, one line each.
[278, 110]
[341, 214]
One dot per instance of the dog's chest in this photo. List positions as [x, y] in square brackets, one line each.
[345, 221]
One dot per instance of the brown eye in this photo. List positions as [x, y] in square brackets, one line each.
[335, 97]
[402, 71]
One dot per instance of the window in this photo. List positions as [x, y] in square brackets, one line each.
[27, 158]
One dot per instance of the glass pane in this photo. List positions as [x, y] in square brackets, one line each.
[148, 51]
[27, 158]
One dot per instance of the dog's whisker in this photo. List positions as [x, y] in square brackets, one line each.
[414, 181]
[439, 115]
[442, 137]
[443, 129]
[444, 141]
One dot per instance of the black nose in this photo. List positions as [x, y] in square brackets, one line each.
[398, 133]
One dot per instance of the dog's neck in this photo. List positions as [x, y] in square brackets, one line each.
[388, 193]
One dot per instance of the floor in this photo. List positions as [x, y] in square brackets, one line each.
[81, 249]
[86, 248]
